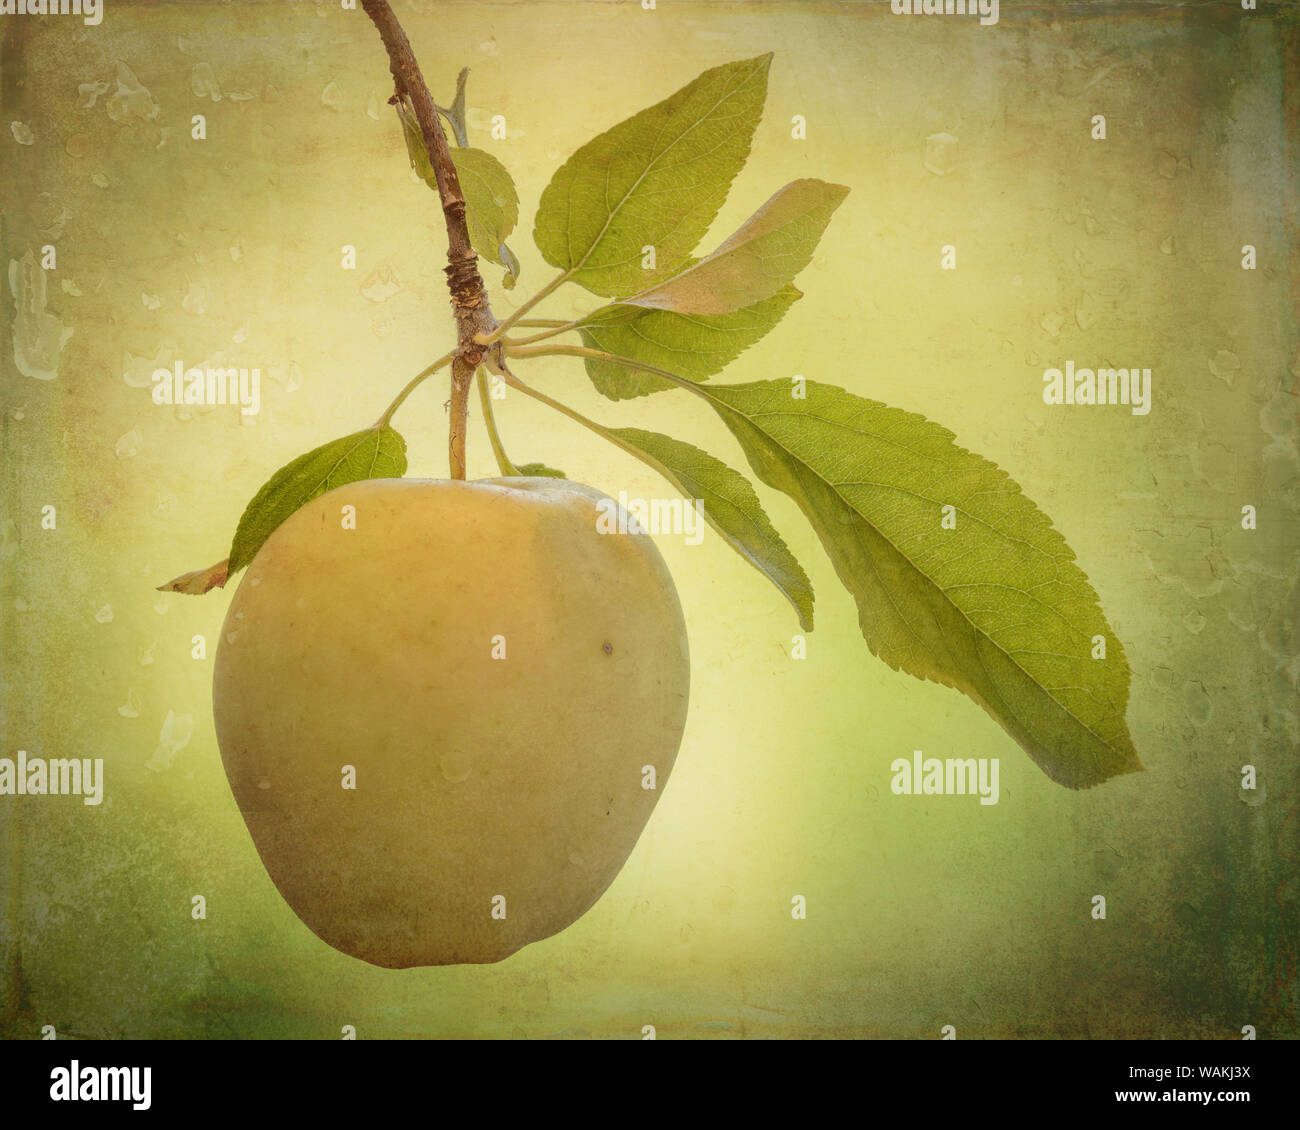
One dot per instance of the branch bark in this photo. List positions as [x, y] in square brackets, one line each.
[469, 300]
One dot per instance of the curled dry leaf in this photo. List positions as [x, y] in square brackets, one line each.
[199, 581]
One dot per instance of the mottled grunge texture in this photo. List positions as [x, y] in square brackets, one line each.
[922, 911]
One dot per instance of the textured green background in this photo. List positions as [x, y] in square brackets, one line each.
[921, 911]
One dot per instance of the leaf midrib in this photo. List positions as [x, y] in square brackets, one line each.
[728, 249]
[343, 459]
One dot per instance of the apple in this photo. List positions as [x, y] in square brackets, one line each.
[447, 718]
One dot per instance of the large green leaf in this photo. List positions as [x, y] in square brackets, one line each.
[692, 345]
[376, 453]
[995, 607]
[656, 179]
[759, 260]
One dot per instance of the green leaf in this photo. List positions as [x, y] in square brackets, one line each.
[996, 607]
[540, 470]
[656, 179]
[376, 453]
[491, 205]
[491, 202]
[760, 259]
[692, 345]
[414, 138]
[729, 503]
[730, 506]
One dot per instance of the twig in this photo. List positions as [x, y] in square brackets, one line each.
[468, 296]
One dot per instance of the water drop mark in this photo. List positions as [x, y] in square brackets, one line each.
[196, 298]
[380, 285]
[88, 94]
[138, 372]
[1224, 365]
[128, 445]
[204, 83]
[1085, 312]
[164, 504]
[177, 730]
[456, 767]
[39, 335]
[940, 153]
[1197, 704]
[131, 101]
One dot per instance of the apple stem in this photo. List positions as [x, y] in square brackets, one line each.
[462, 376]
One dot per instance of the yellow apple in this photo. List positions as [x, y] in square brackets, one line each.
[446, 711]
